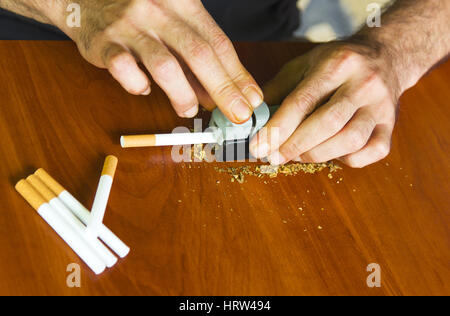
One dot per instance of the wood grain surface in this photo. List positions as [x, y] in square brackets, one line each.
[193, 235]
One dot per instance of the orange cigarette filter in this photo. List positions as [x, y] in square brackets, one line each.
[50, 182]
[138, 141]
[41, 187]
[110, 166]
[27, 191]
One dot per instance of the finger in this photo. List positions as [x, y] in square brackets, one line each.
[123, 67]
[206, 26]
[321, 80]
[350, 139]
[204, 98]
[202, 95]
[310, 93]
[324, 123]
[204, 63]
[167, 73]
[377, 148]
[276, 90]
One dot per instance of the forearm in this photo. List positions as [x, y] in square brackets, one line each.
[414, 36]
[46, 11]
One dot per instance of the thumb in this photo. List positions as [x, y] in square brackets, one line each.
[277, 89]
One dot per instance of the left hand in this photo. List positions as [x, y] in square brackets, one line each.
[343, 105]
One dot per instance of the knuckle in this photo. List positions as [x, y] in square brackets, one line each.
[304, 102]
[243, 77]
[110, 32]
[328, 75]
[291, 149]
[222, 45]
[342, 58]
[346, 99]
[119, 62]
[200, 50]
[114, 28]
[334, 119]
[356, 139]
[225, 89]
[164, 67]
[348, 54]
[386, 113]
[373, 83]
[381, 149]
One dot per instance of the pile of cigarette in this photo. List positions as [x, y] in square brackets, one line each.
[78, 227]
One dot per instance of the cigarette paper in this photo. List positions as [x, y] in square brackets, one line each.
[83, 214]
[168, 139]
[102, 196]
[108, 258]
[61, 227]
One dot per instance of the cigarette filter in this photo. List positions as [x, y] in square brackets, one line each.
[108, 258]
[61, 227]
[83, 214]
[102, 195]
[168, 139]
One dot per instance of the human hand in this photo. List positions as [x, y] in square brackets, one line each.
[342, 104]
[180, 45]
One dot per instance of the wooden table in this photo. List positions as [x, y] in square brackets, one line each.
[193, 235]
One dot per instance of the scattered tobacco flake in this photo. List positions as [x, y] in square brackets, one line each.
[239, 177]
[198, 152]
[268, 169]
[239, 173]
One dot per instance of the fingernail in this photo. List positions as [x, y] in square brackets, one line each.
[276, 159]
[191, 112]
[254, 96]
[147, 92]
[241, 110]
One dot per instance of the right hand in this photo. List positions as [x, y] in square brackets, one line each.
[179, 43]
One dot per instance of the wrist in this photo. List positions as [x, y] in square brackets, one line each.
[402, 68]
[57, 14]
[409, 56]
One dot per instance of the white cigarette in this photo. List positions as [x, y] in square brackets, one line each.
[108, 258]
[83, 214]
[60, 226]
[102, 196]
[168, 139]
